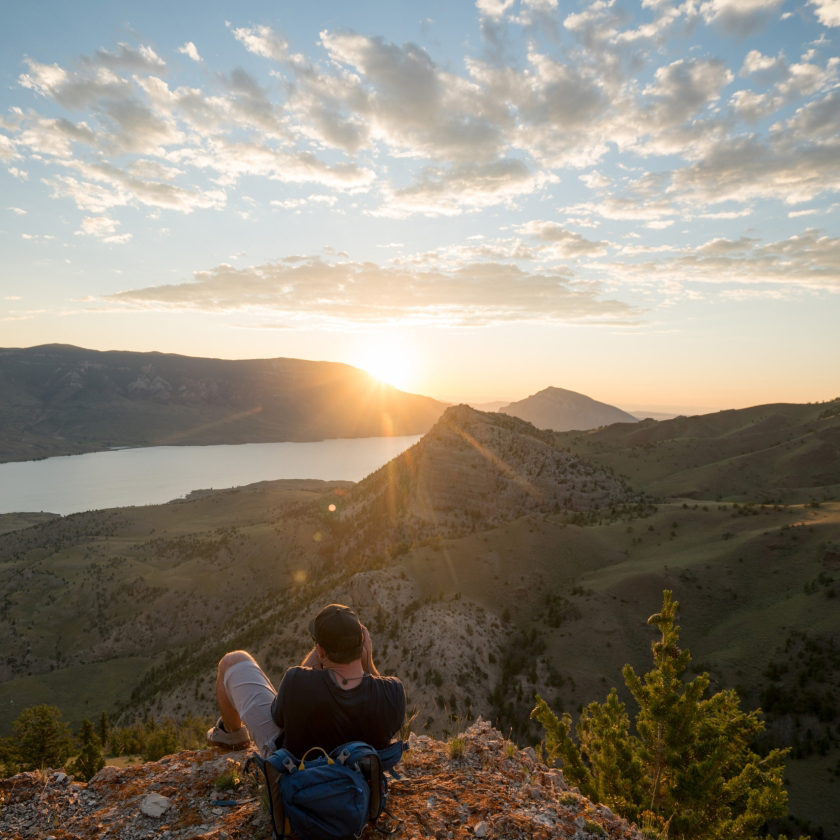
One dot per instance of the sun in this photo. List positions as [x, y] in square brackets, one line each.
[389, 363]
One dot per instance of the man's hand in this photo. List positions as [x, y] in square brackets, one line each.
[312, 659]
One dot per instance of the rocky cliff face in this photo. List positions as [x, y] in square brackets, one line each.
[479, 786]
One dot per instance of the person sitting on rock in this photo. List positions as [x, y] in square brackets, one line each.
[334, 696]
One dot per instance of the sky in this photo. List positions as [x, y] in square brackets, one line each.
[475, 201]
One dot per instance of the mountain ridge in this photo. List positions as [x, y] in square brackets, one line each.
[61, 399]
[561, 410]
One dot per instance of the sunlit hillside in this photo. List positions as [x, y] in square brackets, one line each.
[475, 616]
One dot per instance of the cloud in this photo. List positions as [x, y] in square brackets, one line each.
[263, 41]
[142, 59]
[189, 49]
[420, 136]
[564, 243]
[796, 165]
[7, 148]
[103, 228]
[295, 203]
[450, 191]
[740, 17]
[315, 291]
[806, 262]
[827, 11]
[18, 210]
[683, 87]
[595, 180]
[403, 98]
[494, 9]
[103, 186]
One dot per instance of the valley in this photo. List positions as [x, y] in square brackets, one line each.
[491, 561]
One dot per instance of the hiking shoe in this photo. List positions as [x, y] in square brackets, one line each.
[218, 736]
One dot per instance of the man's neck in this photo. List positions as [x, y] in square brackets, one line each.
[346, 675]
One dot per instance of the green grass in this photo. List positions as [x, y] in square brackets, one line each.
[81, 691]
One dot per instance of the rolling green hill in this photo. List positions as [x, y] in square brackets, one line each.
[478, 594]
[782, 452]
[57, 399]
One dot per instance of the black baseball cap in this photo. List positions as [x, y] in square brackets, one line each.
[336, 628]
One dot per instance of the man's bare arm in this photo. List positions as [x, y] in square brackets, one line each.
[367, 653]
[311, 660]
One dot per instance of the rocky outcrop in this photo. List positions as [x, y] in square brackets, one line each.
[478, 785]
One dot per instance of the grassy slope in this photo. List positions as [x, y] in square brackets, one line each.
[107, 586]
[732, 637]
[739, 574]
[785, 452]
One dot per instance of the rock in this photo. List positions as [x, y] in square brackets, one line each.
[531, 753]
[481, 829]
[60, 778]
[155, 805]
[106, 774]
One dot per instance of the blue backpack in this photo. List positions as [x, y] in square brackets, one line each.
[330, 797]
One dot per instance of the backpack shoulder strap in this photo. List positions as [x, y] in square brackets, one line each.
[351, 752]
[391, 756]
[280, 763]
[283, 761]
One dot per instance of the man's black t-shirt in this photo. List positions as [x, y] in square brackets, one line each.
[315, 712]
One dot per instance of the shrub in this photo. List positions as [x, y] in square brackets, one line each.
[689, 771]
[89, 761]
[41, 738]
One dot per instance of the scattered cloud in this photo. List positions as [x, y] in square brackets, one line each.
[318, 291]
[422, 136]
[449, 191]
[104, 228]
[827, 11]
[808, 262]
[564, 243]
[189, 49]
[494, 9]
[740, 17]
[18, 210]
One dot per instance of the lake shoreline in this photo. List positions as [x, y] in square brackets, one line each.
[153, 475]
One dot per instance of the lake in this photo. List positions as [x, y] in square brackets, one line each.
[159, 474]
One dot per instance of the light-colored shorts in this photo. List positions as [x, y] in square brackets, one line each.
[252, 694]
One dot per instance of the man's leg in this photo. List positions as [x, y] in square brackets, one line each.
[230, 714]
[244, 695]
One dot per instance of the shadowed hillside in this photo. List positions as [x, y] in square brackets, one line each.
[59, 399]
[561, 410]
[472, 471]
[784, 452]
[477, 594]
